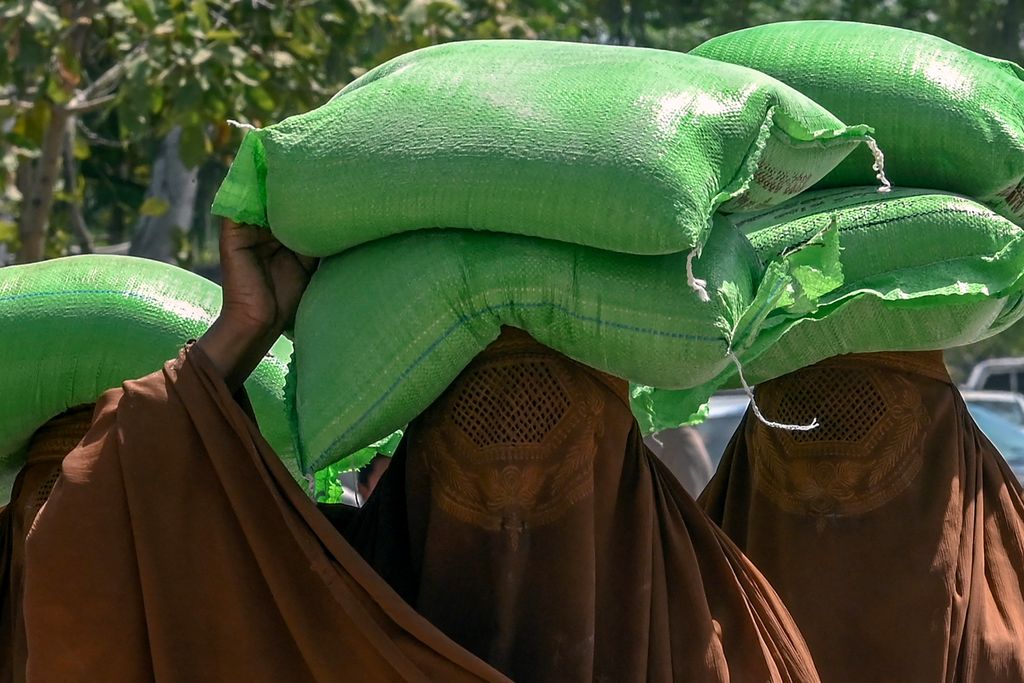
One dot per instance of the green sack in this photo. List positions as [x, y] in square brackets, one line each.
[921, 270]
[327, 486]
[75, 327]
[620, 148]
[383, 329]
[947, 118]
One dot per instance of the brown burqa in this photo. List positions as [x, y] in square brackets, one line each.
[894, 532]
[522, 524]
[31, 487]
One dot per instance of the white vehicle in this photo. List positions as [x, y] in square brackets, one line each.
[997, 374]
[1007, 404]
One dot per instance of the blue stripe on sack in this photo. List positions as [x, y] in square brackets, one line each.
[76, 292]
[463, 320]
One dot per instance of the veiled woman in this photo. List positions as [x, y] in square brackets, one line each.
[894, 532]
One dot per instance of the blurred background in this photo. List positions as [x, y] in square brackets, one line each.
[114, 114]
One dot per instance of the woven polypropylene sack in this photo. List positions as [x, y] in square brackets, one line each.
[625, 149]
[75, 327]
[921, 271]
[384, 328]
[947, 118]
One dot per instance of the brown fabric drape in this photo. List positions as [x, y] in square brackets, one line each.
[894, 532]
[544, 536]
[176, 547]
[46, 450]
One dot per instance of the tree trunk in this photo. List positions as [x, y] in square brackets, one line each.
[78, 225]
[174, 183]
[38, 201]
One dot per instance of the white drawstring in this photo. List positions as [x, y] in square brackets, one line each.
[239, 124]
[757, 411]
[699, 285]
[879, 165]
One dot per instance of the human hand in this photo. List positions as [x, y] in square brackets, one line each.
[263, 283]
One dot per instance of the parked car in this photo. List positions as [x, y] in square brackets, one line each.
[1007, 404]
[1005, 435]
[997, 374]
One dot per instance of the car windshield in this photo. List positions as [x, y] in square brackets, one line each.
[1007, 436]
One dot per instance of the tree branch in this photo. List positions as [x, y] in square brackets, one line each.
[96, 139]
[78, 224]
[106, 81]
[87, 106]
[16, 103]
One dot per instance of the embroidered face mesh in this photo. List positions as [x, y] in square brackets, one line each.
[47, 449]
[518, 401]
[43, 492]
[847, 405]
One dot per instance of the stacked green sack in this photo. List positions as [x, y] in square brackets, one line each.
[916, 268]
[589, 176]
[384, 328]
[75, 327]
[619, 148]
[907, 270]
[948, 118]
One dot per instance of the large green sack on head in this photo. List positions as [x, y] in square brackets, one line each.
[74, 327]
[947, 118]
[620, 148]
[383, 329]
[921, 270]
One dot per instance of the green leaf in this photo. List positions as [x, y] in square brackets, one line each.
[165, 28]
[239, 57]
[189, 96]
[245, 79]
[281, 59]
[55, 91]
[154, 206]
[143, 11]
[117, 11]
[156, 99]
[8, 231]
[14, 9]
[262, 99]
[81, 149]
[44, 18]
[33, 123]
[194, 147]
[201, 55]
[222, 35]
[201, 14]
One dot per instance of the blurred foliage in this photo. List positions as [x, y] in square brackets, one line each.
[197, 63]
